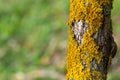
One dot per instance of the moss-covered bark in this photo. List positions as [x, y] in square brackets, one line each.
[91, 46]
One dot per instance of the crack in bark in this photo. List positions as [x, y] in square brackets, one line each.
[94, 65]
[84, 64]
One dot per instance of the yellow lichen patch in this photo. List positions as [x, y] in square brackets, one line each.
[91, 11]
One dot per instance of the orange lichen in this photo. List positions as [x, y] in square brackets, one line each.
[92, 12]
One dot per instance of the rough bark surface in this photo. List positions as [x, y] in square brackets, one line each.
[90, 48]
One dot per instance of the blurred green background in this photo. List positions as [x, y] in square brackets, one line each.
[33, 39]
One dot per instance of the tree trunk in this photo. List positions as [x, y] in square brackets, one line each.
[91, 46]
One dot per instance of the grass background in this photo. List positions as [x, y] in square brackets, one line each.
[33, 39]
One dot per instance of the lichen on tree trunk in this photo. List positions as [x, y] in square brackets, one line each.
[91, 46]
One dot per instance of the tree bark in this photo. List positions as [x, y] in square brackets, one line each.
[91, 46]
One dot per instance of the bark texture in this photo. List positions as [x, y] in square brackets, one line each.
[91, 46]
